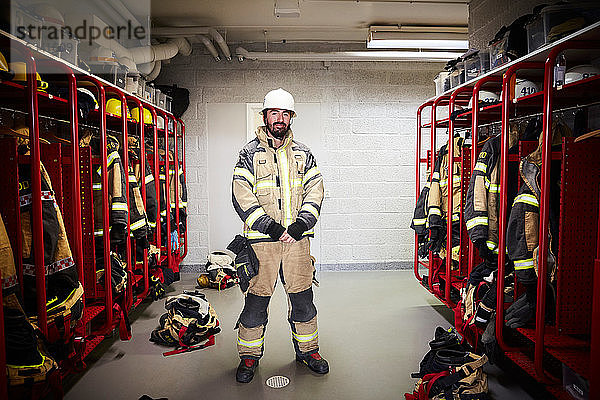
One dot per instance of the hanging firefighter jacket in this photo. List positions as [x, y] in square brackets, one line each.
[523, 224]
[481, 204]
[182, 190]
[117, 198]
[431, 210]
[151, 206]
[10, 283]
[62, 282]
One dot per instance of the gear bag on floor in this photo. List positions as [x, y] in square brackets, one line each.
[190, 320]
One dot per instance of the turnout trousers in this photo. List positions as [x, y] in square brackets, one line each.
[293, 263]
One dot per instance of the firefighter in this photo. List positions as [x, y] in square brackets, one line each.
[277, 192]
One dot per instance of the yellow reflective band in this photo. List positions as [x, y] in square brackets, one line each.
[250, 234]
[473, 222]
[99, 233]
[251, 343]
[436, 175]
[171, 171]
[444, 182]
[152, 224]
[162, 176]
[285, 182]
[117, 206]
[132, 179]
[297, 182]
[311, 209]
[434, 211]
[265, 183]
[109, 160]
[29, 366]
[163, 213]
[419, 221]
[527, 199]
[314, 171]
[137, 225]
[245, 173]
[480, 167]
[254, 216]
[97, 186]
[455, 217]
[524, 264]
[149, 178]
[309, 232]
[305, 338]
[428, 184]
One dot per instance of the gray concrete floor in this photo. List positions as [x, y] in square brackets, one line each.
[374, 329]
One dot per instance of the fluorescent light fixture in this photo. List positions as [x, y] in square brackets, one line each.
[403, 37]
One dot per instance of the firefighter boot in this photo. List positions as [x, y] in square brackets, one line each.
[315, 362]
[245, 371]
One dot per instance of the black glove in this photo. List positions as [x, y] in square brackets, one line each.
[118, 233]
[484, 252]
[523, 309]
[246, 261]
[486, 307]
[436, 239]
[275, 230]
[296, 229]
[157, 289]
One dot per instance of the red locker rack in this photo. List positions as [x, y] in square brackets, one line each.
[573, 339]
[70, 168]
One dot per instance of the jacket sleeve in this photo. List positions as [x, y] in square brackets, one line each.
[150, 197]
[476, 204]
[313, 192]
[137, 213]
[244, 197]
[522, 235]
[419, 221]
[119, 211]
[182, 198]
[434, 210]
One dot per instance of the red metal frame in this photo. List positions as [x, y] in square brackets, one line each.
[418, 162]
[503, 213]
[432, 144]
[450, 200]
[183, 166]
[142, 184]
[475, 140]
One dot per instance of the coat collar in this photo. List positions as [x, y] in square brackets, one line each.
[266, 142]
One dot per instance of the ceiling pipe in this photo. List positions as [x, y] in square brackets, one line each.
[163, 51]
[347, 56]
[210, 47]
[155, 71]
[169, 31]
[221, 42]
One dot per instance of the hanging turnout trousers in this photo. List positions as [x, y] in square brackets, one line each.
[278, 186]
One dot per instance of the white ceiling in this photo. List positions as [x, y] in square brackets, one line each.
[320, 21]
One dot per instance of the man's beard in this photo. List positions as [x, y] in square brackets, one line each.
[278, 130]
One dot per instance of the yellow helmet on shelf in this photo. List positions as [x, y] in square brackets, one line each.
[135, 113]
[113, 106]
[20, 70]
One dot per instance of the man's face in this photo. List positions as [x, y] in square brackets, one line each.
[278, 122]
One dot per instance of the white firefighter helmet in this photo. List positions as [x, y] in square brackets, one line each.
[281, 99]
[485, 97]
[580, 72]
[160, 122]
[524, 87]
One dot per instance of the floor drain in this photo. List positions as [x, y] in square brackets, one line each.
[277, 381]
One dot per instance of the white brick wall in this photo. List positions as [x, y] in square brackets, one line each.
[368, 119]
